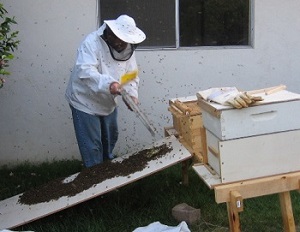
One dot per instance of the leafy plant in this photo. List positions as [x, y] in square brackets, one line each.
[8, 42]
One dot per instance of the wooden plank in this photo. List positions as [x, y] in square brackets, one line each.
[233, 208]
[258, 187]
[197, 157]
[233, 218]
[196, 152]
[13, 214]
[170, 131]
[176, 115]
[184, 99]
[236, 201]
[210, 178]
[287, 211]
[182, 107]
[268, 90]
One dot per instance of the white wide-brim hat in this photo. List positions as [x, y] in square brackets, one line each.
[124, 28]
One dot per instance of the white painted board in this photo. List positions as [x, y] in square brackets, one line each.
[210, 179]
[278, 112]
[13, 214]
[259, 156]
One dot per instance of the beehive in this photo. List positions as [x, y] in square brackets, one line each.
[187, 121]
[258, 141]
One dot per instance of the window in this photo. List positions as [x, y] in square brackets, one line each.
[185, 23]
[155, 17]
[214, 22]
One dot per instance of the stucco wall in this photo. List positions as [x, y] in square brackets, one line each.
[35, 118]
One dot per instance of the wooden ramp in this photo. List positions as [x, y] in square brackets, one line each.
[13, 214]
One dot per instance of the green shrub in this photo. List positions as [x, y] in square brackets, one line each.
[8, 42]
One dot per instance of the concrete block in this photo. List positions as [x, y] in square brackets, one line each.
[184, 212]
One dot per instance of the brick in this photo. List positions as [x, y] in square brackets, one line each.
[184, 212]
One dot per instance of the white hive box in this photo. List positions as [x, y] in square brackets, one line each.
[278, 112]
[258, 141]
[254, 157]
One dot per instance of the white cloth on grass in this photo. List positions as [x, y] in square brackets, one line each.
[13, 231]
[158, 227]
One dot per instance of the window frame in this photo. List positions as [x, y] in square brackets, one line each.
[177, 32]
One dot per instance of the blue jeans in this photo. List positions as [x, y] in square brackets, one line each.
[96, 135]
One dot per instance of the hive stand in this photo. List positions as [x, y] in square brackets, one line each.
[233, 194]
[189, 124]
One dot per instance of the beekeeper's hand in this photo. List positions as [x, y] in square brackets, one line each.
[114, 88]
[242, 100]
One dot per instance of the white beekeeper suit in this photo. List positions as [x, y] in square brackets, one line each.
[97, 69]
[102, 59]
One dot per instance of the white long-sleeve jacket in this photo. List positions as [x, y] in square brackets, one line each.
[92, 74]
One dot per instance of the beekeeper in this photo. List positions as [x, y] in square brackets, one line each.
[102, 58]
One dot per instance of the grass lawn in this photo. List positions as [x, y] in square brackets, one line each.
[140, 203]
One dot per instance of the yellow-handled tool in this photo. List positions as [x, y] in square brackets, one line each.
[129, 76]
[136, 109]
